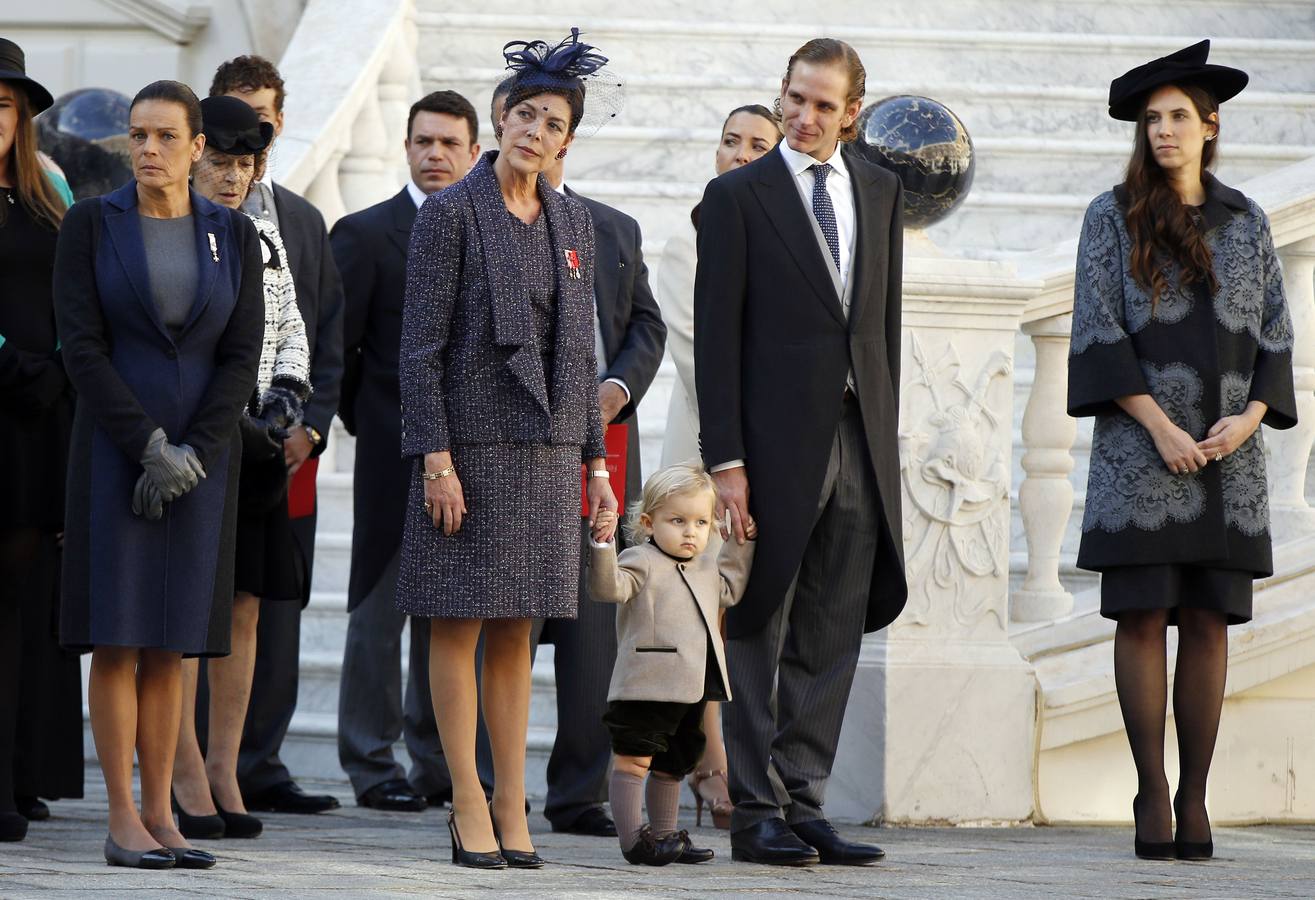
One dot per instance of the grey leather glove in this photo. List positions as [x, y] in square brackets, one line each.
[146, 500]
[174, 470]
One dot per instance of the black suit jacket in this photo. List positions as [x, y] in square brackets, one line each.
[370, 248]
[319, 297]
[772, 349]
[628, 317]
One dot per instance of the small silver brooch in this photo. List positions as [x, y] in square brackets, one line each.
[214, 246]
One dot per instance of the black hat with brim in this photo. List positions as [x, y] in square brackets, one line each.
[231, 126]
[13, 67]
[1187, 66]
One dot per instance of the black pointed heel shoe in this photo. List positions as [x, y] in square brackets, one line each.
[159, 858]
[461, 857]
[1149, 849]
[516, 859]
[237, 825]
[197, 828]
[1191, 851]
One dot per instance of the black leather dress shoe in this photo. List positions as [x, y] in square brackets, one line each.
[32, 808]
[651, 850]
[592, 822]
[833, 849]
[772, 843]
[288, 798]
[692, 854]
[393, 795]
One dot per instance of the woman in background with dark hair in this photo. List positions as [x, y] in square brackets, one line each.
[748, 133]
[40, 686]
[1181, 349]
[159, 307]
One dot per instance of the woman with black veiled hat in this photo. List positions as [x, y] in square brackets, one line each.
[1181, 349]
[499, 410]
[206, 794]
[40, 685]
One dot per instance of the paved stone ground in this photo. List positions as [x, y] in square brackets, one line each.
[360, 853]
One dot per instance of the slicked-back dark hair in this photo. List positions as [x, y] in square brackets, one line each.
[449, 103]
[249, 73]
[173, 92]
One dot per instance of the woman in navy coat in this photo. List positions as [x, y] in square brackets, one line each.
[158, 301]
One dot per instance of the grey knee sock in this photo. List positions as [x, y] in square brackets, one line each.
[662, 797]
[625, 793]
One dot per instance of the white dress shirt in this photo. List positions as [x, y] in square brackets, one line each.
[417, 196]
[841, 190]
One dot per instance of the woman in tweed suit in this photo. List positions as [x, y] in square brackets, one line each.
[499, 409]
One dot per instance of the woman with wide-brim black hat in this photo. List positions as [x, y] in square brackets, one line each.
[40, 685]
[1182, 348]
[206, 794]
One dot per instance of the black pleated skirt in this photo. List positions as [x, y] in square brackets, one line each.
[1175, 586]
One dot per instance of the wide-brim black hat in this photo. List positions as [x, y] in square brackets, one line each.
[231, 126]
[1187, 66]
[13, 67]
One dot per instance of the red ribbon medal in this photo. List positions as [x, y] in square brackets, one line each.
[573, 263]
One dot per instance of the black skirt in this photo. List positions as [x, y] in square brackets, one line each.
[266, 562]
[1173, 586]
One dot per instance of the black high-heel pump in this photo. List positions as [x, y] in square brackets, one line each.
[468, 858]
[1191, 851]
[238, 825]
[1149, 849]
[197, 828]
[516, 859]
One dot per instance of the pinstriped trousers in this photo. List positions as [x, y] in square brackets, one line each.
[791, 680]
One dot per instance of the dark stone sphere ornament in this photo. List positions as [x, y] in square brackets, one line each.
[926, 145]
[86, 132]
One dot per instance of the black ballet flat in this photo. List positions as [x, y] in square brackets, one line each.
[238, 825]
[516, 859]
[159, 858]
[468, 858]
[197, 828]
[1160, 850]
[191, 858]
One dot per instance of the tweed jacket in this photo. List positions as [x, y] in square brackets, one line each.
[469, 369]
[668, 616]
[284, 353]
[1201, 357]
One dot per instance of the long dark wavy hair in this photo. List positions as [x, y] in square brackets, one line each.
[1161, 226]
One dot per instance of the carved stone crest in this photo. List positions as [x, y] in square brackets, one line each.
[956, 486]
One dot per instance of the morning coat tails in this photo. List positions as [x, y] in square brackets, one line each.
[772, 351]
[127, 581]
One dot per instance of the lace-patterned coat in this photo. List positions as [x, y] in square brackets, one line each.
[1202, 358]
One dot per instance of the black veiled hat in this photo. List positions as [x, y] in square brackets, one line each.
[1187, 66]
[13, 67]
[232, 127]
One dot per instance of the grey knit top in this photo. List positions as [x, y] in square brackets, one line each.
[171, 261]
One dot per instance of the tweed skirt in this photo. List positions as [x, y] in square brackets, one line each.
[517, 555]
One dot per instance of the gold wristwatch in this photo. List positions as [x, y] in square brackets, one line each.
[315, 437]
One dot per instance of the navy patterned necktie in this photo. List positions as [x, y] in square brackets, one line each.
[824, 211]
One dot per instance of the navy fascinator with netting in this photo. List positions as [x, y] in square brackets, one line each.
[571, 68]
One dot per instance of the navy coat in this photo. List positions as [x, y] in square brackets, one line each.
[128, 581]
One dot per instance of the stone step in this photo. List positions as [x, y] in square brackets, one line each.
[987, 108]
[658, 45]
[1236, 18]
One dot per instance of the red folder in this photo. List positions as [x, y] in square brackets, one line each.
[615, 438]
[301, 490]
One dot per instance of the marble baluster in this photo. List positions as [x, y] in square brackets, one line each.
[366, 172]
[1290, 450]
[325, 190]
[1046, 496]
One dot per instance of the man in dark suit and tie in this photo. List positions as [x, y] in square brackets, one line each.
[370, 248]
[629, 339]
[265, 782]
[797, 347]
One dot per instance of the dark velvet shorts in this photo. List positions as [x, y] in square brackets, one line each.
[1175, 586]
[671, 733]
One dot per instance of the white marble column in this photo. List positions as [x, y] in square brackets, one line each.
[1289, 451]
[942, 717]
[1046, 495]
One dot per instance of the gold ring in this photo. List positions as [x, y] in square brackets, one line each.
[429, 507]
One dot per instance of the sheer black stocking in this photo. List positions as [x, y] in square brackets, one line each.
[1140, 675]
[18, 554]
[1198, 698]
